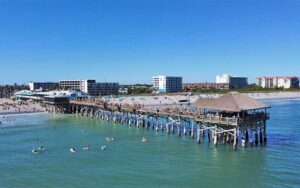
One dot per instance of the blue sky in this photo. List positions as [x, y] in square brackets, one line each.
[130, 41]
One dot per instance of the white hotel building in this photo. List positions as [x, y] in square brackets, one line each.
[233, 81]
[91, 87]
[167, 84]
[285, 82]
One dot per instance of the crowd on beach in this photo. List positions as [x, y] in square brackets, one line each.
[151, 100]
[149, 103]
[169, 102]
[18, 107]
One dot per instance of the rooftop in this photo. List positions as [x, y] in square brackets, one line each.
[272, 77]
[231, 102]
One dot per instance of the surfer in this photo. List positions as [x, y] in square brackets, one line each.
[144, 139]
[72, 150]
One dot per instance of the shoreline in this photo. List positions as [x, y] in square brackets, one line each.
[21, 113]
[283, 98]
[275, 95]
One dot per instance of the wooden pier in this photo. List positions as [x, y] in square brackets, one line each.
[222, 120]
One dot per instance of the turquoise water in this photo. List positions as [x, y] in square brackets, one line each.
[163, 161]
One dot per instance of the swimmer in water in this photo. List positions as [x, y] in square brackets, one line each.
[109, 139]
[103, 147]
[72, 150]
[88, 147]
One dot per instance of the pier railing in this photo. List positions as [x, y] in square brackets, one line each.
[233, 121]
[205, 118]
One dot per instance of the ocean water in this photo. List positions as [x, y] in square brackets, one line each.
[163, 161]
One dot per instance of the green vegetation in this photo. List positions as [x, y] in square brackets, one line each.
[253, 88]
[8, 90]
[138, 89]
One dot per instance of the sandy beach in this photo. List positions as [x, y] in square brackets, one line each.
[9, 107]
[183, 99]
[275, 95]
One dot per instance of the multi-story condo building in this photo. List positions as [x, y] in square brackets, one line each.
[43, 86]
[167, 84]
[91, 87]
[285, 82]
[205, 85]
[82, 85]
[98, 89]
[233, 81]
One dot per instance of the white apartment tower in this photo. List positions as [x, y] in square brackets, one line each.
[167, 84]
[233, 81]
[285, 82]
[91, 87]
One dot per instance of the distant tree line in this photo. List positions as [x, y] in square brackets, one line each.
[7, 91]
[250, 89]
[138, 89]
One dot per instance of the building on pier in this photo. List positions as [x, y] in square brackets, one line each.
[56, 100]
[39, 96]
[233, 113]
[231, 102]
[56, 104]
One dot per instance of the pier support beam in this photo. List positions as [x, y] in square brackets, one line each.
[215, 137]
[256, 136]
[178, 130]
[265, 133]
[198, 135]
[261, 135]
[147, 120]
[234, 138]
[167, 125]
[156, 126]
[172, 129]
[250, 137]
[192, 130]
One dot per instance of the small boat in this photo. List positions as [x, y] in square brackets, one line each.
[73, 150]
[103, 147]
[34, 151]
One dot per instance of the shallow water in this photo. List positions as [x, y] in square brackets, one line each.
[163, 161]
